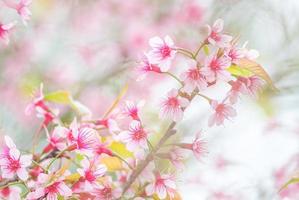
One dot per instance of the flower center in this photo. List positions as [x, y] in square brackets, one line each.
[140, 134]
[165, 51]
[214, 65]
[52, 188]
[89, 176]
[215, 36]
[14, 165]
[173, 102]
[194, 74]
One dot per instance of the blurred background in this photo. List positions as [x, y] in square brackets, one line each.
[91, 47]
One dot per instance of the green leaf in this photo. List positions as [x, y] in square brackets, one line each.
[294, 180]
[62, 97]
[239, 71]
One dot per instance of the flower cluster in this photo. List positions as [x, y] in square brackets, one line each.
[112, 157]
[22, 9]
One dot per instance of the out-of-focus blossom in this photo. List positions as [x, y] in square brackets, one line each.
[132, 109]
[4, 31]
[193, 78]
[162, 186]
[42, 109]
[221, 112]
[237, 88]
[144, 67]
[11, 193]
[22, 8]
[253, 85]
[172, 106]
[162, 53]
[216, 37]
[135, 137]
[90, 172]
[215, 68]
[14, 163]
[177, 157]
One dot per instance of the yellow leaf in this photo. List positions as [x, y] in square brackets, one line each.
[62, 97]
[120, 149]
[294, 180]
[257, 70]
[112, 163]
[73, 177]
[239, 71]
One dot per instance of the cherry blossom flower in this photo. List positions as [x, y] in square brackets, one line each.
[90, 172]
[11, 193]
[193, 78]
[51, 190]
[177, 156]
[253, 85]
[102, 148]
[57, 139]
[43, 111]
[106, 191]
[14, 163]
[215, 68]
[162, 186]
[131, 109]
[4, 31]
[198, 147]
[145, 67]
[172, 106]
[250, 54]
[222, 112]
[162, 53]
[237, 88]
[216, 37]
[234, 53]
[21, 8]
[82, 139]
[135, 137]
[109, 123]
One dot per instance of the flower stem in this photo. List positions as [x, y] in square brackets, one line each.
[174, 76]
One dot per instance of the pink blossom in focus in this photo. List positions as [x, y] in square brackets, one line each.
[82, 139]
[221, 112]
[198, 147]
[132, 109]
[215, 68]
[163, 185]
[135, 137]
[193, 78]
[14, 163]
[216, 37]
[172, 106]
[162, 53]
[145, 67]
[89, 172]
[234, 53]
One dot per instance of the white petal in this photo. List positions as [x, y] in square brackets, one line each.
[156, 42]
[9, 143]
[22, 174]
[26, 160]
